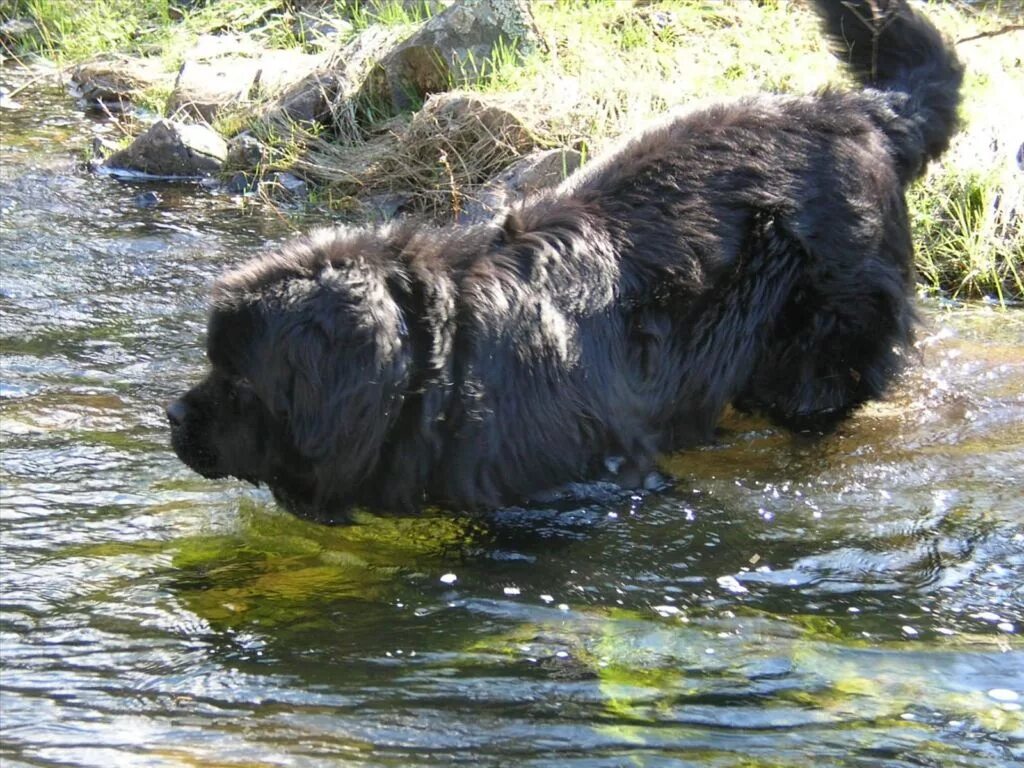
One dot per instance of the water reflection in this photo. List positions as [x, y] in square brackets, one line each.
[857, 599]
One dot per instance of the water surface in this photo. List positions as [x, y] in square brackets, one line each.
[857, 601]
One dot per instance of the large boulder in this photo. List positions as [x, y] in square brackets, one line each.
[449, 50]
[225, 69]
[171, 149]
[326, 95]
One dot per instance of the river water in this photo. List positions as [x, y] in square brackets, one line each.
[857, 601]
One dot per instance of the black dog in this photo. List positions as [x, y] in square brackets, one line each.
[755, 253]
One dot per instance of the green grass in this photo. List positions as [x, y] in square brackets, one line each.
[73, 30]
[969, 235]
[968, 212]
[394, 13]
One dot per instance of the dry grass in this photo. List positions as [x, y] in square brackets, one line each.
[454, 144]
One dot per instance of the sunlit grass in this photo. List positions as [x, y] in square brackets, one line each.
[970, 236]
[387, 12]
[70, 30]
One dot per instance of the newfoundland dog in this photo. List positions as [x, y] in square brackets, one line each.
[754, 253]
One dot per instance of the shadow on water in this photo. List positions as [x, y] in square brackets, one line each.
[856, 599]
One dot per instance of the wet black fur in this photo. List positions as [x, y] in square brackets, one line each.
[754, 253]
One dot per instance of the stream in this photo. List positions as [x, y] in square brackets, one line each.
[852, 601]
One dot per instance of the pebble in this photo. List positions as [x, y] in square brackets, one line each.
[147, 200]
[1003, 694]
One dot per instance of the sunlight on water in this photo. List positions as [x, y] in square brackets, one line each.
[858, 598]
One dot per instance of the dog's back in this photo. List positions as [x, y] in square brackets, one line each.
[760, 254]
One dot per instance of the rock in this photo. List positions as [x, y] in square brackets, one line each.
[477, 134]
[291, 185]
[321, 32]
[308, 101]
[448, 50]
[225, 69]
[6, 102]
[99, 148]
[240, 184]
[456, 143]
[326, 95]
[385, 206]
[245, 153]
[112, 85]
[146, 200]
[172, 149]
[18, 31]
[538, 170]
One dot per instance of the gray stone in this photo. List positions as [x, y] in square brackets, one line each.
[18, 31]
[321, 32]
[325, 96]
[240, 184]
[114, 84]
[223, 69]
[146, 200]
[449, 50]
[538, 170]
[245, 153]
[289, 184]
[385, 206]
[172, 149]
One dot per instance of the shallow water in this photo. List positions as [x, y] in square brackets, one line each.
[857, 601]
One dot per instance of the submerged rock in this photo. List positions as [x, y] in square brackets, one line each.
[240, 183]
[172, 149]
[146, 200]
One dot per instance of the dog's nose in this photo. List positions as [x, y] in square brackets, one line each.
[176, 412]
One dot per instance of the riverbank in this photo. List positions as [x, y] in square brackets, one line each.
[343, 105]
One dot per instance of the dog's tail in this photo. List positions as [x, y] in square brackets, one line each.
[889, 47]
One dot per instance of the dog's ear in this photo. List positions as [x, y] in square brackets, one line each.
[336, 369]
[229, 333]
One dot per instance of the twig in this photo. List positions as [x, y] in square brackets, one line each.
[30, 82]
[993, 33]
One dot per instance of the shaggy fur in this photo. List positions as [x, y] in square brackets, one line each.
[754, 253]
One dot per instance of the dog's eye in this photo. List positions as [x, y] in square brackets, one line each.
[241, 390]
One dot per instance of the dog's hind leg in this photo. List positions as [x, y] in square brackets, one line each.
[731, 326]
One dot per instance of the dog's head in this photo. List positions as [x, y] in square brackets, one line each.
[310, 360]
